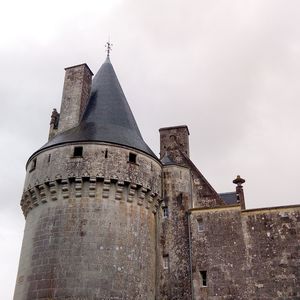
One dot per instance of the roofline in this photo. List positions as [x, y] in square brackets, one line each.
[271, 208]
[227, 193]
[84, 64]
[223, 207]
[88, 142]
[174, 127]
[245, 211]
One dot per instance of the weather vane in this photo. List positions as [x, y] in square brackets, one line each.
[108, 47]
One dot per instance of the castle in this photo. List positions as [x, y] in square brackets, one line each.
[107, 219]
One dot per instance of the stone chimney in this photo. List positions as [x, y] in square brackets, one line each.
[76, 92]
[240, 191]
[174, 138]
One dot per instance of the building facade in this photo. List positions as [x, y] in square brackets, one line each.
[107, 219]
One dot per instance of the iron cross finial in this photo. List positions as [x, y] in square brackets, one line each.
[108, 46]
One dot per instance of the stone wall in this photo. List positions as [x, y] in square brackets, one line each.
[76, 92]
[90, 225]
[250, 254]
[175, 276]
[97, 160]
[273, 252]
[176, 137]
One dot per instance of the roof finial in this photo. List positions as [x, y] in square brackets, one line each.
[108, 46]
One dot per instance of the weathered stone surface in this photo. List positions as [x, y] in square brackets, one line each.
[175, 280]
[77, 87]
[106, 221]
[98, 160]
[247, 254]
[90, 225]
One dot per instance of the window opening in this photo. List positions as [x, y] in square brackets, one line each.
[49, 158]
[106, 153]
[78, 151]
[179, 199]
[33, 165]
[165, 212]
[166, 262]
[132, 158]
[203, 276]
[200, 224]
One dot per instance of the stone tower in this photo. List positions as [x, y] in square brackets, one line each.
[106, 219]
[90, 199]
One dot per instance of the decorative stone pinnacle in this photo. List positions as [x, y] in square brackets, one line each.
[239, 181]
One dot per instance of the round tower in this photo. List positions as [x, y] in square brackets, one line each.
[90, 199]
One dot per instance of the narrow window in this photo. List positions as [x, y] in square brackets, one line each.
[166, 262]
[179, 199]
[165, 212]
[132, 158]
[106, 153]
[200, 224]
[32, 165]
[203, 277]
[78, 152]
[49, 158]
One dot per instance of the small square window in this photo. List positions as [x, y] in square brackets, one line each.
[78, 151]
[203, 278]
[132, 158]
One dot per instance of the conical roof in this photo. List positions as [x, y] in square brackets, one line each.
[107, 116]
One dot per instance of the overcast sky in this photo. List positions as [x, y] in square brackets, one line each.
[229, 70]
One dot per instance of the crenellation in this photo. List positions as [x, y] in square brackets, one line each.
[78, 187]
[131, 193]
[65, 188]
[53, 190]
[119, 191]
[92, 187]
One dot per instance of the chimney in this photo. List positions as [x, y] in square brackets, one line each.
[240, 191]
[76, 92]
[174, 138]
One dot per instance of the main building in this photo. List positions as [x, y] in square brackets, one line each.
[107, 219]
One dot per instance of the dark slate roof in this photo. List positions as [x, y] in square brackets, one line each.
[229, 198]
[107, 117]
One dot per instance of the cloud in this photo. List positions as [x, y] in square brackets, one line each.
[227, 69]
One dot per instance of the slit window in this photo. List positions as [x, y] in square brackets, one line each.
[132, 158]
[200, 225]
[49, 158]
[78, 151]
[203, 278]
[106, 153]
[166, 262]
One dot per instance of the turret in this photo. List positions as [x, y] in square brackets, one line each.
[90, 199]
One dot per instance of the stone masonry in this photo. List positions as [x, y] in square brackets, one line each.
[106, 219]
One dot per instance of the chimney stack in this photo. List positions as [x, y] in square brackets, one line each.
[76, 92]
